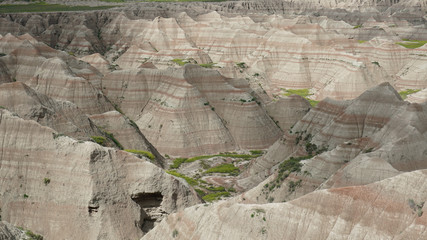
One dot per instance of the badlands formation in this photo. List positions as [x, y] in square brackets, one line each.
[271, 119]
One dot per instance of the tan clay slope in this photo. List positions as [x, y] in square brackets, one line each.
[63, 116]
[190, 111]
[388, 209]
[124, 130]
[85, 190]
[55, 79]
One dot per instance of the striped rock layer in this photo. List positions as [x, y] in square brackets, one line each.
[191, 111]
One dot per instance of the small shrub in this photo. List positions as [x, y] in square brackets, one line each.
[376, 63]
[206, 103]
[46, 181]
[142, 152]
[175, 233]
[369, 150]
[241, 65]
[2, 54]
[358, 26]
[57, 135]
[25, 195]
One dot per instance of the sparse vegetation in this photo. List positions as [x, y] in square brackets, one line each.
[358, 26]
[404, 94]
[292, 165]
[361, 41]
[46, 7]
[142, 153]
[417, 208]
[294, 185]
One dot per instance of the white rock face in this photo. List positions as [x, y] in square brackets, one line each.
[87, 191]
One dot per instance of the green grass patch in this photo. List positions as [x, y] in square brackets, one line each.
[361, 41]
[412, 43]
[113, 1]
[216, 189]
[224, 168]
[215, 196]
[303, 92]
[99, 139]
[189, 180]
[404, 94]
[142, 152]
[207, 65]
[177, 162]
[358, 26]
[46, 7]
[180, 62]
[256, 152]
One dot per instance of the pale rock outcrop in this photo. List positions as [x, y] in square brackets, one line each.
[85, 190]
[10, 232]
[387, 209]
